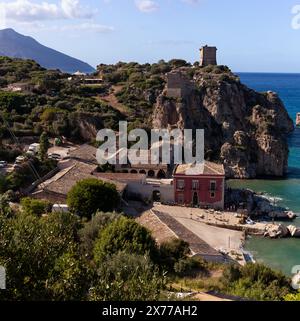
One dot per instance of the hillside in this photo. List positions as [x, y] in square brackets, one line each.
[13, 44]
[244, 129]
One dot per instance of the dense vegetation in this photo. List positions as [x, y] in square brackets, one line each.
[51, 257]
[50, 101]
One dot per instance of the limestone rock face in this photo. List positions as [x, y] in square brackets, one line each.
[87, 124]
[245, 129]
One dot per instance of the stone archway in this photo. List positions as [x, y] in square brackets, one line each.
[151, 173]
[161, 174]
[133, 171]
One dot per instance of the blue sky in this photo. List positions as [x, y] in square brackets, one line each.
[251, 35]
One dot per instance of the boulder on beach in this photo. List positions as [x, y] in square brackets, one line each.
[274, 231]
[294, 231]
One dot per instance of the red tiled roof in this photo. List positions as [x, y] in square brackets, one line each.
[208, 168]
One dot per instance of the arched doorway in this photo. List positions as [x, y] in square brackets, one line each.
[151, 173]
[195, 199]
[156, 196]
[161, 174]
[133, 171]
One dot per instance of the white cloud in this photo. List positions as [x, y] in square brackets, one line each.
[146, 5]
[92, 27]
[27, 10]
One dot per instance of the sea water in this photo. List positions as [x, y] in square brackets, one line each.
[280, 254]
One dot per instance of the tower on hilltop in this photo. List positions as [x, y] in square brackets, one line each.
[208, 56]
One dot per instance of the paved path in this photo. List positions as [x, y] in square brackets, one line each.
[217, 238]
[197, 245]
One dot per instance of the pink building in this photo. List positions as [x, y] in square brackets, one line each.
[200, 185]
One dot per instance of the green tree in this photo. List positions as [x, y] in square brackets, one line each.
[30, 248]
[91, 195]
[124, 235]
[70, 278]
[91, 229]
[44, 146]
[128, 277]
[35, 207]
[172, 252]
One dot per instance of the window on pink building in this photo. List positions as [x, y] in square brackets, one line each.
[212, 194]
[180, 184]
[195, 185]
[213, 186]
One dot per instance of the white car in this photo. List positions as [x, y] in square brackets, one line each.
[55, 156]
[3, 164]
[249, 221]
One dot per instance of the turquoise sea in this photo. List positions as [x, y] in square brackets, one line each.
[279, 254]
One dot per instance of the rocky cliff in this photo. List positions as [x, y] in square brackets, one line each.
[245, 129]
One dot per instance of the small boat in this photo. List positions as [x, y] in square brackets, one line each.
[298, 120]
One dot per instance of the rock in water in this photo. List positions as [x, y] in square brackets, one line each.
[294, 231]
[276, 231]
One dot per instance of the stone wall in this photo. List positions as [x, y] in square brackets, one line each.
[178, 85]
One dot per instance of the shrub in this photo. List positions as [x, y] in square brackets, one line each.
[128, 277]
[173, 251]
[30, 248]
[256, 281]
[124, 235]
[35, 207]
[91, 195]
[91, 230]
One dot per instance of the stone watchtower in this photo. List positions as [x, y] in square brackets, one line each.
[208, 56]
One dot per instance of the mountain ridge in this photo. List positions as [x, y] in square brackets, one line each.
[16, 45]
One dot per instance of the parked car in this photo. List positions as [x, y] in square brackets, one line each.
[34, 149]
[55, 156]
[60, 208]
[249, 221]
[3, 164]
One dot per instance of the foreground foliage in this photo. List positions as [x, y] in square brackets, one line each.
[256, 282]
